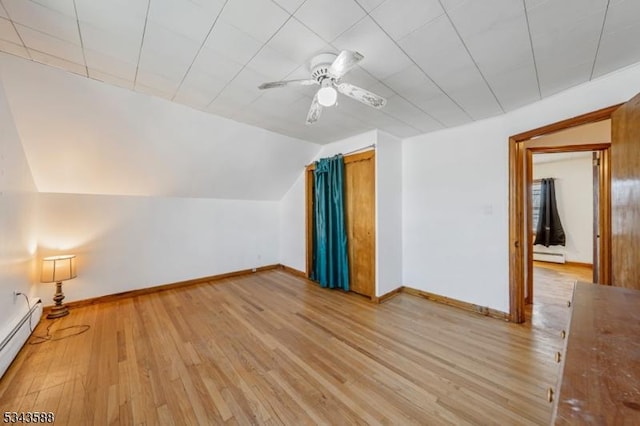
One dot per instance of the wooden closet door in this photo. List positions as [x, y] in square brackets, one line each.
[625, 195]
[359, 176]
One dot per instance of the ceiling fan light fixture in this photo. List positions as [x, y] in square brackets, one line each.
[327, 96]
[327, 70]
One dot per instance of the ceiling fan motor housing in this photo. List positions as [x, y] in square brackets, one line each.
[320, 64]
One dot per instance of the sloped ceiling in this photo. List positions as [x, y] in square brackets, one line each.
[441, 63]
[82, 136]
[560, 156]
[598, 132]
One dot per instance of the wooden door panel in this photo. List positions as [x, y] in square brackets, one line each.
[625, 195]
[360, 224]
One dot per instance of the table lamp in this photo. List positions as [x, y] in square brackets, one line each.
[57, 269]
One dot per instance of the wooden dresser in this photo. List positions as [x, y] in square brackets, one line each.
[600, 367]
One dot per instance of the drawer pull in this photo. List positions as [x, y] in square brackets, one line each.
[558, 356]
[568, 303]
[563, 334]
[550, 395]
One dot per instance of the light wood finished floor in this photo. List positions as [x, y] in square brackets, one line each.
[552, 288]
[271, 348]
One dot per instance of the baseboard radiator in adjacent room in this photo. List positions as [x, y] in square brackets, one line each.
[18, 335]
[549, 257]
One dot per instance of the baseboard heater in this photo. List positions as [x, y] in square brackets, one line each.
[16, 338]
[549, 257]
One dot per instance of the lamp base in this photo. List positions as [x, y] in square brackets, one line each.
[58, 312]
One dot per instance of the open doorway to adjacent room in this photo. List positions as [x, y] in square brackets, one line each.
[564, 228]
[573, 158]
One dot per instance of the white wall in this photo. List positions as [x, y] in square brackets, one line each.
[455, 214]
[455, 196]
[574, 196]
[18, 238]
[388, 213]
[125, 242]
[343, 146]
[292, 226]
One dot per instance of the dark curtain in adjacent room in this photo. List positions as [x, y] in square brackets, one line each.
[330, 258]
[549, 232]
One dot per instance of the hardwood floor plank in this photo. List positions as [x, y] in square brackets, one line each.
[48, 399]
[219, 403]
[25, 403]
[294, 395]
[272, 348]
[164, 415]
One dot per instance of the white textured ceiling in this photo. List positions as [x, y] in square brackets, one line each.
[441, 63]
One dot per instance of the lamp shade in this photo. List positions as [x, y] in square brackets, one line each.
[58, 268]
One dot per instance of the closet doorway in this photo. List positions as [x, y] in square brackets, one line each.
[359, 197]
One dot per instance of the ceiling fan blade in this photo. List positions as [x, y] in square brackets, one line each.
[346, 60]
[314, 111]
[362, 95]
[273, 84]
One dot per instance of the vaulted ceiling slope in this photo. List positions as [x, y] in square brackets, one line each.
[83, 136]
[441, 63]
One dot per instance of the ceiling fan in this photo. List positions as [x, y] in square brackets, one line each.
[327, 70]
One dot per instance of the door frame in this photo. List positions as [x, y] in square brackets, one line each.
[520, 180]
[597, 165]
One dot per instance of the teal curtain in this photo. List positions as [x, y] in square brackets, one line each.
[330, 260]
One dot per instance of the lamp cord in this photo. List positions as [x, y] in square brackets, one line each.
[50, 337]
[26, 298]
